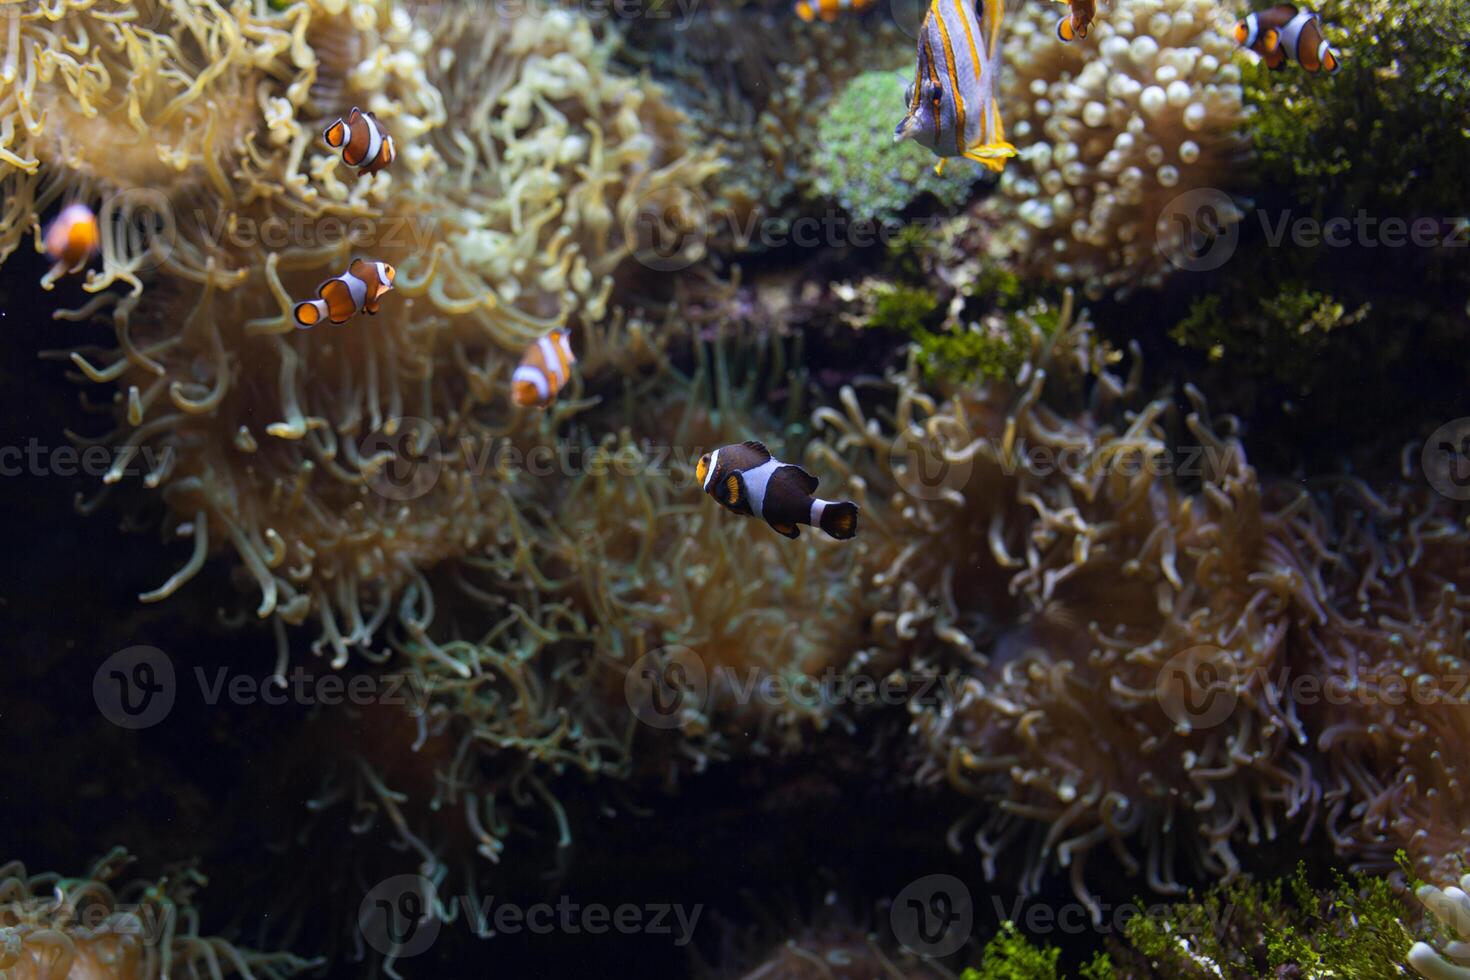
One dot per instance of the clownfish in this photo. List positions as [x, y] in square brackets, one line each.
[359, 289]
[830, 10]
[543, 371]
[1283, 34]
[748, 480]
[1078, 21]
[364, 143]
[71, 240]
[952, 107]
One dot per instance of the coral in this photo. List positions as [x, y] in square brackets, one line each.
[1054, 558]
[1451, 907]
[828, 954]
[1282, 341]
[1009, 956]
[1359, 189]
[1388, 647]
[871, 177]
[524, 161]
[1112, 130]
[756, 85]
[53, 927]
[1360, 927]
[1387, 132]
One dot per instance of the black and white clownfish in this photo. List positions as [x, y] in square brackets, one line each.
[952, 107]
[364, 143]
[748, 480]
[1078, 21]
[543, 371]
[359, 289]
[1285, 33]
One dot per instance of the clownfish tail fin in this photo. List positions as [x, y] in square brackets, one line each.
[310, 313]
[839, 519]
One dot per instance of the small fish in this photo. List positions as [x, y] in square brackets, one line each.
[748, 480]
[359, 289]
[364, 143]
[1078, 21]
[1283, 34]
[72, 239]
[543, 371]
[830, 10]
[952, 107]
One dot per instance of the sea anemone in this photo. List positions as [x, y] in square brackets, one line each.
[524, 162]
[53, 928]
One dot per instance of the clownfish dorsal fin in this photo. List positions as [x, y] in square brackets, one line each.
[757, 447]
[807, 482]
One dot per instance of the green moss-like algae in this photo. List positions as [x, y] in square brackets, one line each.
[856, 163]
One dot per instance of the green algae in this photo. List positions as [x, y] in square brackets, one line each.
[856, 163]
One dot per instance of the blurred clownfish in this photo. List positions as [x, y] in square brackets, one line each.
[72, 238]
[364, 143]
[830, 10]
[359, 289]
[1283, 34]
[1078, 21]
[952, 107]
[748, 480]
[543, 371]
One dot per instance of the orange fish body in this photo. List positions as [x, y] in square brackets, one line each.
[359, 289]
[543, 371]
[1285, 33]
[73, 238]
[364, 143]
[1077, 23]
[829, 10]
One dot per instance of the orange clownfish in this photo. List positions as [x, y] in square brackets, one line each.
[364, 143]
[830, 10]
[1283, 34]
[1076, 23]
[360, 288]
[543, 371]
[72, 238]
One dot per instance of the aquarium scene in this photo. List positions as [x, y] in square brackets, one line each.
[719, 489]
